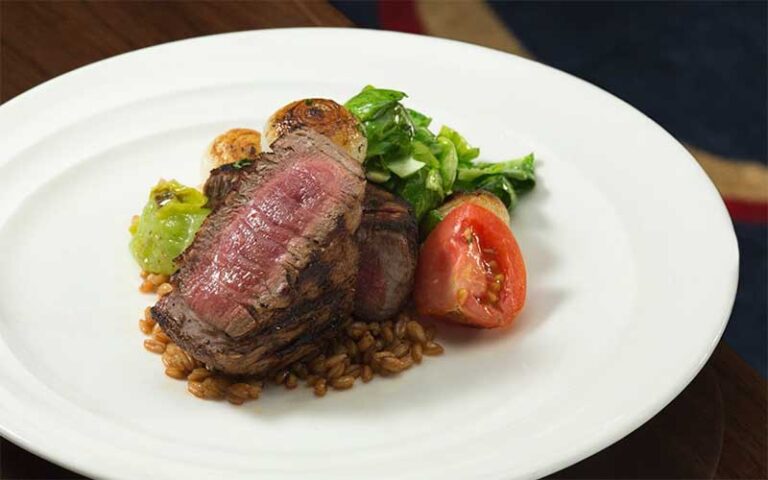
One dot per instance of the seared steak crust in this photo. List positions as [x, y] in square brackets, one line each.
[221, 181]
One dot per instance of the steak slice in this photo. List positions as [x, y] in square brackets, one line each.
[273, 267]
[388, 242]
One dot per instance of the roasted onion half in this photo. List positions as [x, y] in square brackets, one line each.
[231, 146]
[324, 116]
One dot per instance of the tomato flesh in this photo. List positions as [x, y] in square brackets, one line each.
[471, 270]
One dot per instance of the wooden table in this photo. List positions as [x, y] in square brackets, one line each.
[715, 429]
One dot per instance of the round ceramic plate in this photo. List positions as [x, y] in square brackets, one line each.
[632, 265]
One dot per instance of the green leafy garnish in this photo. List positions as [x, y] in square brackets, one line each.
[519, 170]
[371, 102]
[465, 152]
[414, 189]
[407, 158]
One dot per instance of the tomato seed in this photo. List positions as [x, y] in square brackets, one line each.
[461, 296]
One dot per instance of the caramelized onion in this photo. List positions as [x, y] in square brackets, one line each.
[324, 116]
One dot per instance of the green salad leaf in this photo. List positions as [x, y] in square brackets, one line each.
[371, 101]
[465, 152]
[167, 225]
[422, 190]
[407, 158]
[449, 162]
[519, 171]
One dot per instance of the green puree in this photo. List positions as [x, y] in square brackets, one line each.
[168, 223]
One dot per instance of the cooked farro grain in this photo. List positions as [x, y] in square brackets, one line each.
[320, 387]
[164, 289]
[343, 383]
[254, 390]
[157, 279]
[407, 362]
[199, 374]
[417, 352]
[336, 371]
[351, 347]
[402, 321]
[416, 332]
[386, 332]
[196, 388]
[393, 364]
[361, 351]
[176, 373]
[335, 360]
[154, 346]
[145, 327]
[175, 357]
[432, 348]
[366, 374]
[400, 349]
[161, 337]
[366, 342]
[215, 387]
[242, 390]
[378, 356]
[356, 330]
[353, 369]
[234, 399]
[291, 381]
[147, 287]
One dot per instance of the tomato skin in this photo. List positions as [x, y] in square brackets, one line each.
[453, 277]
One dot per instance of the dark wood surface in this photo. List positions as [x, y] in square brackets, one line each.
[715, 429]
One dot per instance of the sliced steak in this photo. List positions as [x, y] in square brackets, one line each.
[273, 267]
[388, 242]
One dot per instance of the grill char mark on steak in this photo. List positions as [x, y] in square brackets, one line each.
[388, 242]
[261, 283]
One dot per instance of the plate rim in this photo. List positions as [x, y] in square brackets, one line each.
[595, 446]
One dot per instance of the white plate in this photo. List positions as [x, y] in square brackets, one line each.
[632, 265]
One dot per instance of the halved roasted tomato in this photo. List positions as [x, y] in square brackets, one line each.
[470, 270]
